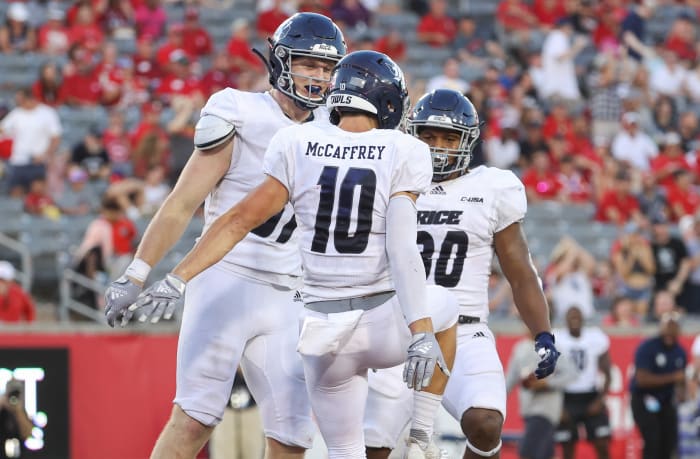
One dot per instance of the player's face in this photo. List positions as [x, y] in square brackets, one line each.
[574, 320]
[441, 139]
[311, 77]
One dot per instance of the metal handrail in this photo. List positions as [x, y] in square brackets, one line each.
[68, 303]
[26, 274]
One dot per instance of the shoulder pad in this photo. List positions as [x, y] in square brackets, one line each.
[212, 131]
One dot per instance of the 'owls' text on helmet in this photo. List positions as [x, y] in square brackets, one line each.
[303, 35]
[370, 82]
[450, 110]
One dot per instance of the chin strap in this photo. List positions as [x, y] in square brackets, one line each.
[481, 453]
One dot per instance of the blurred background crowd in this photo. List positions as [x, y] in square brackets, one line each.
[595, 104]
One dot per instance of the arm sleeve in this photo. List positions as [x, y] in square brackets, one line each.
[405, 263]
[277, 163]
[413, 170]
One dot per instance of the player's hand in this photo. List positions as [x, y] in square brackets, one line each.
[548, 354]
[596, 407]
[120, 295]
[423, 354]
[158, 300]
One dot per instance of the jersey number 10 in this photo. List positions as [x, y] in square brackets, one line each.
[366, 179]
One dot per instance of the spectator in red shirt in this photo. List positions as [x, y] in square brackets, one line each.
[173, 48]
[683, 198]
[197, 41]
[437, 28]
[80, 84]
[146, 68]
[219, 75]
[150, 18]
[109, 239]
[618, 205]
[116, 142]
[15, 304]
[242, 58]
[47, 89]
[670, 160]
[85, 30]
[558, 122]
[681, 38]
[38, 201]
[270, 19]
[183, 92]
[515, 16]
[548, 11]
[392, 44]
[540, 179]
[54, 36]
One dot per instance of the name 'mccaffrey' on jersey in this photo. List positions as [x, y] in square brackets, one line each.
[457, 221]
[339, 184]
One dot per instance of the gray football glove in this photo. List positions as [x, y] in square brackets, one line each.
[423, 354]
[159, 300]
[118, 297]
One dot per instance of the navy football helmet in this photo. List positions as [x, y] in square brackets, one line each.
[370, 82]
[450, 110]
[302, 35]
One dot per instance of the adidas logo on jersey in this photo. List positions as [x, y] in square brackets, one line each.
[472, 199]
[297, 296]
[438, 190]
[479, 335]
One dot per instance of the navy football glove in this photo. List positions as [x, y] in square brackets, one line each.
[544, 346]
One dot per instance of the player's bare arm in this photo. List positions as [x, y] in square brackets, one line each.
[257, 207]
[200, 175]
[516, 263]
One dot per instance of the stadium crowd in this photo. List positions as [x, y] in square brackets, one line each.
[594, 104]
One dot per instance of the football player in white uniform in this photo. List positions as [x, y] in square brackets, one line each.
[467, 215]
[584, 401]
[353, 188]
[242, 310]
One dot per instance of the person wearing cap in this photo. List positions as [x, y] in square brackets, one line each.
[77, 199]
[633, 146]
[16, 305]
[659, 377]
[91, 155]
[17, 35]
[54, 37]
[670, 159]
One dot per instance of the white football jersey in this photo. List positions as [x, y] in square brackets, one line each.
[270, 252]
[339, 184]
[457, 220]
[584, 352]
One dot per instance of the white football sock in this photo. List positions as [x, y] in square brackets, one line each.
[425, 407]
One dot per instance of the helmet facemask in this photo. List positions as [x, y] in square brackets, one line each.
[448, 161]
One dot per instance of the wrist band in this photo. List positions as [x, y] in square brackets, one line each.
[138, 269]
